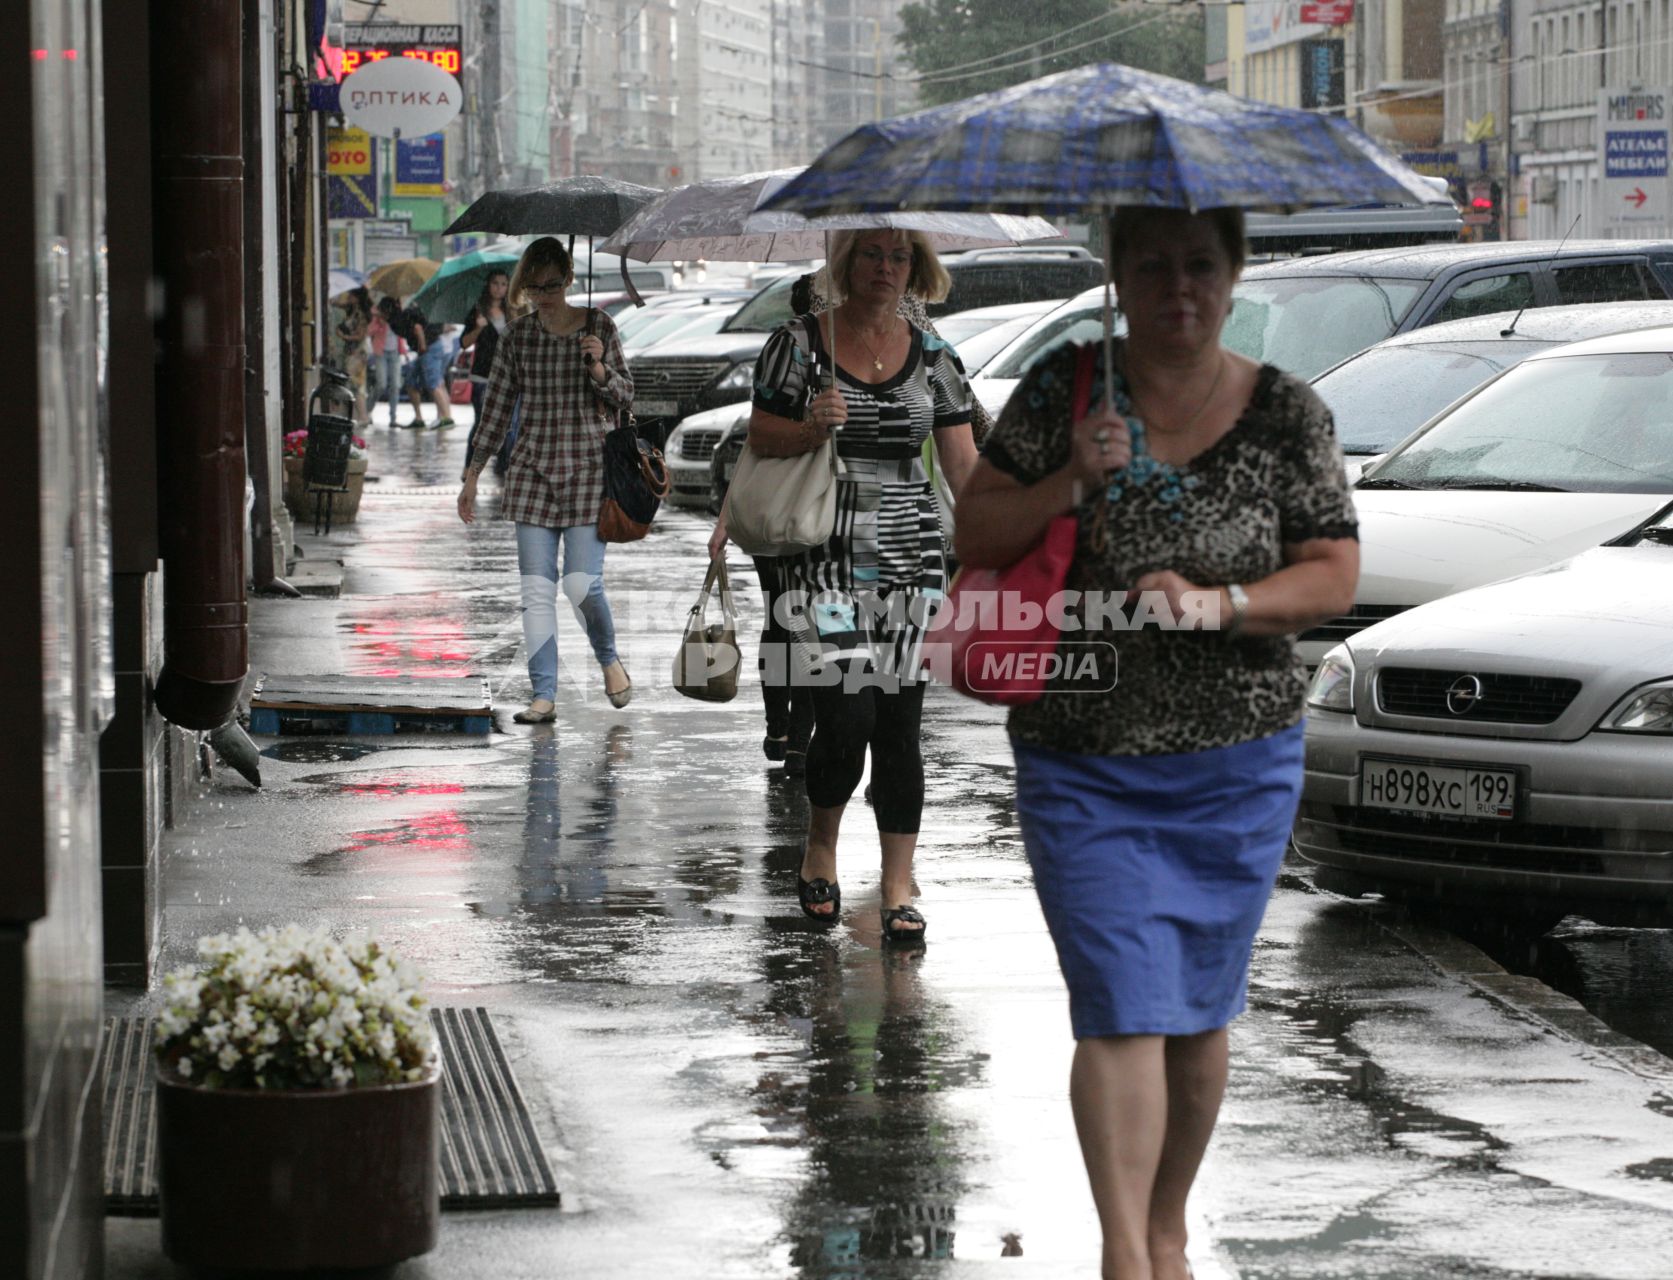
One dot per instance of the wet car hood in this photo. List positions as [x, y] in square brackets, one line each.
[1416, 546]
[1604, 614]
[742, 345]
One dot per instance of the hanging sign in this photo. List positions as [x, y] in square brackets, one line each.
[1329, 13]
[420, 166]
[400, 95]
[1632, 130]
[348, 151]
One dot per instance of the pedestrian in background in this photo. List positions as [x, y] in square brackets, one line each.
[1155, 814]
[428, 373]
[386, 355]
[868, 590]
[484, 326]
[565, 364]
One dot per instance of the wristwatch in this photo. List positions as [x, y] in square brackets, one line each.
[1240, 606]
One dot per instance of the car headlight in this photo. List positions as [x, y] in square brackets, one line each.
[740, 377]
[1333, 682]
[1646, 710]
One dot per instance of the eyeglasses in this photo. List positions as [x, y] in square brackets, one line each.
[543, 289]
[896, 260]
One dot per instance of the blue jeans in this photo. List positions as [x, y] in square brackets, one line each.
[583, 587]
[388, 366]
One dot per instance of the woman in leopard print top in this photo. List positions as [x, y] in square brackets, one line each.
[1215, 524]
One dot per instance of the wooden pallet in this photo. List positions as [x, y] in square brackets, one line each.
[371, 704]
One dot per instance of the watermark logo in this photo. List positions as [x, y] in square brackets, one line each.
[1070, 666]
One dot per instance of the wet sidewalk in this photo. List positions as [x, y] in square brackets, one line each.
[727, 1090]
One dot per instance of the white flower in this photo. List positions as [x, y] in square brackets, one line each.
[184, 1067]
[228, 1057]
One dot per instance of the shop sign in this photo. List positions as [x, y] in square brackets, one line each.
[1632, 132]
[420, 166]
[1331, 13]
[400, 96]
[348, 151]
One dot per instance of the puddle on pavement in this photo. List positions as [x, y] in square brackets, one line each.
[1660, 1169]
[1319, 1029]
[319, 752]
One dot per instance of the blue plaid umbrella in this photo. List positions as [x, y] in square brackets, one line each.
[1097, 137]
[1092, 139]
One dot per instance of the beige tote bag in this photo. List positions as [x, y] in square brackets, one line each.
[783, 506]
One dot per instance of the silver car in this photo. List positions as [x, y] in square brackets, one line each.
[1511, 743]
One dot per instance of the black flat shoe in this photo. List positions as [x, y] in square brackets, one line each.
[795, 762]
[816, 893]
[774, 748]
[898, 937]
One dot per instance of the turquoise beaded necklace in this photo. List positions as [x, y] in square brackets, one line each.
[1144, 470]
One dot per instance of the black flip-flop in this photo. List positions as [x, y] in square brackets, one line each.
[816, 893]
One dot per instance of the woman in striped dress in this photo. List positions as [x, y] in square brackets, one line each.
[865, 596]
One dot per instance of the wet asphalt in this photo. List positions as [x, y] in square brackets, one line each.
[728, 1090]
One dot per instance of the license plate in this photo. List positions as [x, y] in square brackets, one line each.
[655, 408]
[1454, 791]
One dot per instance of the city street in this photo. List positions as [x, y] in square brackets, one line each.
[727, 1090]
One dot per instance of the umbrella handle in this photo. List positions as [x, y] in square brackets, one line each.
[830, 317]
[1109, 317]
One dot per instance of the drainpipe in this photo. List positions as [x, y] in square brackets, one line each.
[198, 190]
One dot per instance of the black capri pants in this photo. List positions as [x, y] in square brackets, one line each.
[846, 723]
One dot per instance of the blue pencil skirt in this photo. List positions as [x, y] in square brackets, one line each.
[1153, 872]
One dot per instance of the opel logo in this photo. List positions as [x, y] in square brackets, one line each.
[1463, 694]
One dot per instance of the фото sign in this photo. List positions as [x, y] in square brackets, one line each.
[348, 152]
[400, 96]
[1632, 140]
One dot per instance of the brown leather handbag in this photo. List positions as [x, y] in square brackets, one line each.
[706, 666]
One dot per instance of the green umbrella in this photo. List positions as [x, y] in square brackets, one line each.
[453, 291]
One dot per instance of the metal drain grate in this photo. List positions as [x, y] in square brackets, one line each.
[491, 1157]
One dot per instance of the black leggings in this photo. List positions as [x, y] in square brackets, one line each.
[845, 724]
[789, 707]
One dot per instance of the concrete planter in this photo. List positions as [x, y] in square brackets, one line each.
[344, 506]
[298, 1180]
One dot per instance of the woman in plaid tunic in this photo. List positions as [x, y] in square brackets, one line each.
[565, 366]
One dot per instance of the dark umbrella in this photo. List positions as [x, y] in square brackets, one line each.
[582, 206]
[585, 205]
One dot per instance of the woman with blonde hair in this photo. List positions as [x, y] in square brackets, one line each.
[863, 599]
[565, 366]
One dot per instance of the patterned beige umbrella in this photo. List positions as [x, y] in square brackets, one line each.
[403, 277]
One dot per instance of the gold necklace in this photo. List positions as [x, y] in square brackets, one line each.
[876, 360]
[1219, 369]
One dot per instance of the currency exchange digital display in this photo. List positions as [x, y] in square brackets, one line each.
[427, 42]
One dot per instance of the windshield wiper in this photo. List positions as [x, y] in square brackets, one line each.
[1381, 482]
[1525, 486]
[1662, 534]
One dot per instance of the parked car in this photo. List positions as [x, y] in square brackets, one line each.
[687, 376]
[690, 448]
[1307, 314]
[676, 322]
[1562, 452]
[1510, 745]
[982, 332]
[1384, 393]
